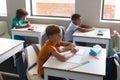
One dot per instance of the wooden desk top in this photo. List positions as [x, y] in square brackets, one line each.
[8, 44]
[95, 67]
[93, 34]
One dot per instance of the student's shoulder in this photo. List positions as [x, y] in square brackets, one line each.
[48, 46]
[15, 19]
[72, 25]
[48, 49]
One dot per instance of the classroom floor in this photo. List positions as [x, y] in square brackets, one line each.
[8, 66]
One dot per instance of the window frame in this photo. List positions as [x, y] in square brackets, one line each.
[4, 14]
[102, 13]
[31, 12]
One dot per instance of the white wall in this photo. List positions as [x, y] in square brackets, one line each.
[12, 5]
[89, 10]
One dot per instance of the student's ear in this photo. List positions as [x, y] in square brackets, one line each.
[50, 36]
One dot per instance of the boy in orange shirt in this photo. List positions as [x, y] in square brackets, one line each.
[52, 48]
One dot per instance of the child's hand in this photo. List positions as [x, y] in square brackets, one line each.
[28, 24]
[70, 46]
[74, 50]
[59, 49]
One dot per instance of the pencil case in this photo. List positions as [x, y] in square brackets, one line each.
[95, 50]
[31, 28]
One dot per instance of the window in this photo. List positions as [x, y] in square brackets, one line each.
[111, 10]
[54, 8]
[3, 8]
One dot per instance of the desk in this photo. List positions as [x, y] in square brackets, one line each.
[38, 32]
[92, 37]
[8, 48]
[95, 70]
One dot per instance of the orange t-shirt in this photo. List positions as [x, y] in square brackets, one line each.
[45, 53]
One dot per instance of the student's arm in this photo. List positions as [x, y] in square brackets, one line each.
[64, 57]
[85, 26]
[85, 29]
[25, 26]
[66, 46]
[18, 27]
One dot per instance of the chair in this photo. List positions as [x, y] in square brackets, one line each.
[117, 62]
[31, 55]
[118, 69]
[63, 31]
[4, 30]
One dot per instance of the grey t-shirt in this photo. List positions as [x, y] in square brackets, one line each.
[69, 31]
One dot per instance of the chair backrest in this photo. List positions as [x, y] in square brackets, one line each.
[30, 55]
[63, 31]
[26, 61]
[117, 57]
[4, 29]
[117, 62]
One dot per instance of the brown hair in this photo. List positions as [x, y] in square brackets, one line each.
[75, 16]
[20, 13]
[52, 29]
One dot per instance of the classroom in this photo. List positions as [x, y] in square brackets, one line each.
[59, 40]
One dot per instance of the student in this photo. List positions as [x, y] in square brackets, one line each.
[19, 21]
[75, 25]
[52, 48]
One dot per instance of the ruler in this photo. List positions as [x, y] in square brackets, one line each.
[81, 64]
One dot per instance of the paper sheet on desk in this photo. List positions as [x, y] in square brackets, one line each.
[80, 52]
[39, 29]
[89, 33]
[74, 59]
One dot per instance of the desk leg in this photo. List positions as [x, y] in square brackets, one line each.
[74, 41]
[14, 55]
[14, 60]
[13, 35]
[45, 77]
[40, 39]
[45, 74]
[107, 45]
[1, 78]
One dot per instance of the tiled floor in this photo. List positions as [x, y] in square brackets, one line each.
[8, 66]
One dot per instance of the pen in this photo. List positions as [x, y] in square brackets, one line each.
[95, 57]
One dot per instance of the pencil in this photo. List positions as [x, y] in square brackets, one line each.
[95, 57]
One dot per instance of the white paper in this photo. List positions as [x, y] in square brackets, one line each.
[80, 51]
[74, 59]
